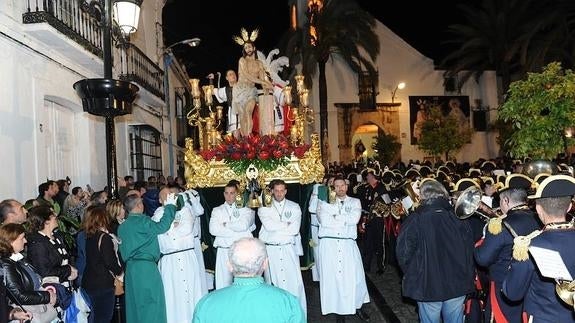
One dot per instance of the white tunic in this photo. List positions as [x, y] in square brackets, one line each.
[280, 232]
[238, 224]
[221, 96]
[181, 275]
[192, 199]
[342, 286]
[313, 202]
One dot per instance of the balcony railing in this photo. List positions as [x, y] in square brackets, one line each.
[72, 19]
[135, 66]
[68, 17]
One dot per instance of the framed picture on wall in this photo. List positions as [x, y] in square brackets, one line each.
[419, 106]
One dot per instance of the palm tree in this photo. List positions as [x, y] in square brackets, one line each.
[342, 28]
[495, 37]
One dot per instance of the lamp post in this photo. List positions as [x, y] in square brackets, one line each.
[168, 59]
[399, 86]
[106, 96]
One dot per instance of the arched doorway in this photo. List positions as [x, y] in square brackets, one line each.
[351, 118]
[362, 140]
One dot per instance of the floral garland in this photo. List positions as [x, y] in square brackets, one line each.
[265, 152]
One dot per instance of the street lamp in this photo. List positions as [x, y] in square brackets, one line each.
[168, 59]
[399, 86]
[106, 96]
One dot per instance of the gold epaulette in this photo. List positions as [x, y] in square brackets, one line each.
[521, 245]
[495, 225]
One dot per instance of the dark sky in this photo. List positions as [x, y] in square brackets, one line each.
[421, 24]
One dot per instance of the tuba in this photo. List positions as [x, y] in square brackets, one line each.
[566, 291]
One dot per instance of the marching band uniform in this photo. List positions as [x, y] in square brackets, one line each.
[524, 281]
[280, 231]
[343, 289]
[494, 252]
[373, 239]
[228, 224]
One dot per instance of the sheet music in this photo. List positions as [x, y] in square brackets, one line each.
[550, 263]
[407, 202]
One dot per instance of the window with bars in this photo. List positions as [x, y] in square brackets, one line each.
[145, 152]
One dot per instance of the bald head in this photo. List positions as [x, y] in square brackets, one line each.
[248, 257]
[163, 195]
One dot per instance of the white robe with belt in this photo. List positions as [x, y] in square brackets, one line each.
[342, 286]
[192, 199]
[280, 232]
[179, 267]
[238, 224]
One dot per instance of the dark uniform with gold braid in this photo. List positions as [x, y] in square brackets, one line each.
[524, 280]
[373, 238]
[494, 250]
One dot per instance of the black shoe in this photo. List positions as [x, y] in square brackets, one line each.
[362, 315]
[340, 319]
[380, 272]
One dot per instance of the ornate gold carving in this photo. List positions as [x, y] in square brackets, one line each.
[201, 173]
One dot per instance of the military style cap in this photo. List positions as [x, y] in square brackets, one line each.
[555, 186]
[474, 172]
[464, 184]
[488, 166]
[517, 181]
[412, 172]
[425, 171]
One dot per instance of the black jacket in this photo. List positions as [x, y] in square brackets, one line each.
[44, 256]
[20, 284]
[102, 263]
[435, 252]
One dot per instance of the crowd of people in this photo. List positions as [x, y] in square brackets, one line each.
[146, 239]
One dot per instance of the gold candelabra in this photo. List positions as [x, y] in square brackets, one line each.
[301, 115]
[207, 126]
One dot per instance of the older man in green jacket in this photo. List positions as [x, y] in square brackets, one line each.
[140, 250]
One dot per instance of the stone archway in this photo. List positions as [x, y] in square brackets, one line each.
[350, 117]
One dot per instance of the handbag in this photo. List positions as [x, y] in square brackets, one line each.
[118, 284]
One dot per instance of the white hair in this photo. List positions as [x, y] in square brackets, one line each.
[247, 257]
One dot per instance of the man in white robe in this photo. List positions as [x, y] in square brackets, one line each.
[314, 241]
[280, 232]
[181, 275]
[192, 202]
[342, 286]
[229, 223]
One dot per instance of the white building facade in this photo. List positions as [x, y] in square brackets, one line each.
[47, 46]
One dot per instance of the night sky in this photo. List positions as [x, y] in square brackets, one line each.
[216, 22]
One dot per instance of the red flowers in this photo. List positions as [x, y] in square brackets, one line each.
[267, 152]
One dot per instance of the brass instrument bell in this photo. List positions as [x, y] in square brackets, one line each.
[254, 202]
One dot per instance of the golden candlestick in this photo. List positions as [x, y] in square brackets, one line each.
[195, 85]
[287, 95]
[304, 98]
[219, 112]
[208, 94]
[299, 79]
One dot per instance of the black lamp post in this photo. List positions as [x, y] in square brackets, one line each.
[106, 96]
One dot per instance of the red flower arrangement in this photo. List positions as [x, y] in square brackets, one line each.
[265, 152]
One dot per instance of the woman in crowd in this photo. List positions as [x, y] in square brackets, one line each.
[21, 280]
[75, 203]
[103, 265]
[46, 251]
[117, 214]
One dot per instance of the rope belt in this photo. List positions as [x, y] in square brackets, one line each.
[336, 238]
[173, 252]
[279, 244]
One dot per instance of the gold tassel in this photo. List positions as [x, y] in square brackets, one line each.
[521, 245]
[494, 227]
